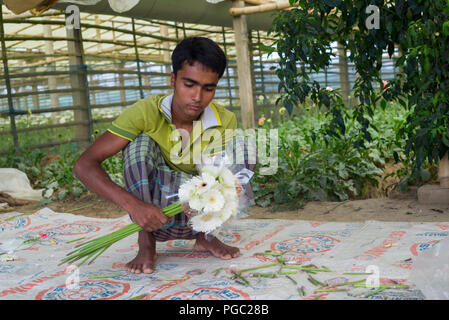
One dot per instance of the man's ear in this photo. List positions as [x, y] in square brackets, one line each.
[172, 80]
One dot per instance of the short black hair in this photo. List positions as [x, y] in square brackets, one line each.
[202, 50]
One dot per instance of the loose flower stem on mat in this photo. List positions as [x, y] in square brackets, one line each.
[237, 275]
[106, 276]
[260, 267]
[99, 245]
[174, 279]
[16, 216]
[80, 208]
[138, 297]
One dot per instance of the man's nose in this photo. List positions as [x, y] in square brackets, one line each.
[197, 93]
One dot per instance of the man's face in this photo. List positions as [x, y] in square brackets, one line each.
[194, 88]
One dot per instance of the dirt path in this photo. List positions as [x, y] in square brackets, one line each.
[397, 207]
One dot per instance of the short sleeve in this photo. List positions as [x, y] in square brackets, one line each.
[130, 123]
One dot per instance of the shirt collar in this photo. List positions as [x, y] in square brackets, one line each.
[209, 118]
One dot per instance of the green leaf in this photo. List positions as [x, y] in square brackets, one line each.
[266, 48]
[62, 194]
[403, 184]
[446, 28]
[425, 175]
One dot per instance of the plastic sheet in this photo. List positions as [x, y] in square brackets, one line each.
[430, 271]
[16, 183]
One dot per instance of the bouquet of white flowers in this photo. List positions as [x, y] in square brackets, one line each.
[213, 197]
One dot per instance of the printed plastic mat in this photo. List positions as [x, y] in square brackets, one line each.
[280, 259]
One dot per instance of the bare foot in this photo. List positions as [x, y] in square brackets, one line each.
[216, 247]
[146, 258]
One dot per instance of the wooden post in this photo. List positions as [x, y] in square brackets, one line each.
[52, 81]
[166, 53]
[8, 81]
[344, 74]
[136, 50]
[78, 81]
[228, 80]
[122, 86]
[36, 104]
[243, 67]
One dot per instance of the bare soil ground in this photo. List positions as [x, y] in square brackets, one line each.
[397, 206]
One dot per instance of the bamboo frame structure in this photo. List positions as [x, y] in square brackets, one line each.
[120, 60]
[261, 7]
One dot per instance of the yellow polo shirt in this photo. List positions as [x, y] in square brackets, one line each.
[152, 116]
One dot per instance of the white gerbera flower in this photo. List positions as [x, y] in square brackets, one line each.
[187, 191]
[195, 203]
[207, 182]
[206, 222]
[226, 177]
[227, 213]
[212, 200]
[214, 171]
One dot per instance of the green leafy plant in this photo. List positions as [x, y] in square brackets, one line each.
[314, 166]
[418, 29]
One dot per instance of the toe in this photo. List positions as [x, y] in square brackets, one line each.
[148, 268]
[137, 269]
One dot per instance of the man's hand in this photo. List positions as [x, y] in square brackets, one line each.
[148, 216]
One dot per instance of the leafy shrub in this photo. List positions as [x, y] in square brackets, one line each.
[314, 166]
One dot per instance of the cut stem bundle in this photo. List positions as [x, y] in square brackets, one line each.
[98, 245]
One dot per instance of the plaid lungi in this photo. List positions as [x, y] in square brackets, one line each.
[149, 178]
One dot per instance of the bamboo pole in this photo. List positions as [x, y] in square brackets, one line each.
[49, 50]
[7, 80]
[257, 2]
[344, 74]
[244, 68]
[80, 82]
[228, 78]
[136, 52]
[265, 7]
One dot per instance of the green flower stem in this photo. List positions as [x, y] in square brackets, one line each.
[316, 282]
[101, 244]
[79, 208]
[106, 276]
[376, 291]
[306, 268]
[387, 286]
[240, 277]
[292, 280]
[329, 290]
[19, 215]
[260, 267]
[75, 240]
[348, 283]
[272, 274]
[268, 254]
[174, 279]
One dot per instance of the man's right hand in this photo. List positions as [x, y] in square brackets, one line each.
[148, 216]
[89, 170]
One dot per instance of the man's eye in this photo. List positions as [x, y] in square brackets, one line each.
[189, 85]
[209, 89]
